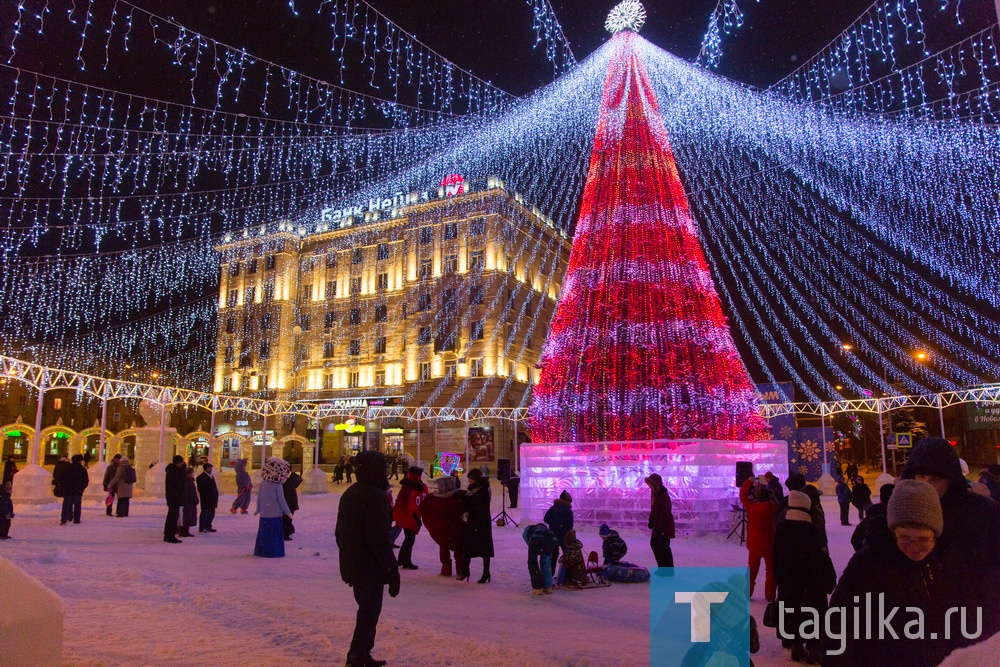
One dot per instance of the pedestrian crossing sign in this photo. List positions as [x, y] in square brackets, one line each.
[904, 440]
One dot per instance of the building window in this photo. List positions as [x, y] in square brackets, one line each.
[331, 260]
[354, 380]
[450, 231]
[383, 251]
[529, 307]
[423, 303]
[328, 350]
[357, 256]
[451, 265]
[448, 300]
[234, 269]
[331, 289]
[424, 336]
[328, 381]
[477, 227]
[355, 285]
[307, 292]
[328, 319]
[247, 327]
[477, 330]
[425, 370]
[476, 368]
[382, 282]
[426, 269]
[270, 262]
[380, 345]
[354, 348]
[57, 403]
[227, 383]
[265, 350]
[251, 293]
[305, 321]
[268, 292]
[476, 294]
[450, 369]
[231, 298]
[403, 308]
[244, 354]
[426, 235]
[355, 316]
[230, 325]
[265, 321]
[307, 265]
[262, 383]
[445, 340]
[379, 378]
[252, 266]
[477, 260]
[381, 313]
[527, 274]
[509, 263]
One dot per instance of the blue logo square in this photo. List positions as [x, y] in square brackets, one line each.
[699, 615]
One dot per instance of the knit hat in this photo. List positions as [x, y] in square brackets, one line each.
[935, 456]
[414, 470]
[915, 502]
[565, 496]
[885, 492]
[446, 484]
[475, 474]
[276, 470]
[570, 535]
[799, 505]
[795, 481]
[605, 530]
[77, 457]
[207, 466]
[655, 479]
[177, 459]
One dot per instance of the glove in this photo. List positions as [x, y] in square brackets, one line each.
[394, 583]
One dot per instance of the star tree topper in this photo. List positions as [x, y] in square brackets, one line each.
[628, 15]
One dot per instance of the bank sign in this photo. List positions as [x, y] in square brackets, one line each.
[452, 185]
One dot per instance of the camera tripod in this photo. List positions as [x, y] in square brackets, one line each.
[502, 518]
[741, 526]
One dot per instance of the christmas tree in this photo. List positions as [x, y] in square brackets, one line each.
[639, 347]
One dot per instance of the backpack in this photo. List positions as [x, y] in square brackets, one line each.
[129, 475]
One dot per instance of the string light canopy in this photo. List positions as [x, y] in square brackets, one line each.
[825, 216]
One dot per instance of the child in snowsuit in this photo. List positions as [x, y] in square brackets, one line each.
[541, 543]
[6, 511]
[614, 547]
[572, 560]
[244, 487]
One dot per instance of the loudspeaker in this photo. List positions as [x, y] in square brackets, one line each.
[503, 470]
[744, 469]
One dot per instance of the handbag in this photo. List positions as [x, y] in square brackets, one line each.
[110, 498]
[771, 615]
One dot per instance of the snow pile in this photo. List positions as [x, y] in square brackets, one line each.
[31, 620]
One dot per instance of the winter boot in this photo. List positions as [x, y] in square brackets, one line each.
[446, 568]
[536, 591]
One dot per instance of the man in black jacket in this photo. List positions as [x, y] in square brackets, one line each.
[174, 485]
[367, 563]
[208, 491]
[109, 475]
[74, 482]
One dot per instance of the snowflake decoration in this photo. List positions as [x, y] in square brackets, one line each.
[808, 450]
[628, 15]
[786, 432]
[803, 470]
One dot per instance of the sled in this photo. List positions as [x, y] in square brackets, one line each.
[595, 573]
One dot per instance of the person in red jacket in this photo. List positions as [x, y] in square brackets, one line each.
[406, 513]
[760, 533]
[442, 514]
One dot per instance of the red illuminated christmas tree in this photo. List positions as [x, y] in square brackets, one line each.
[639, 348]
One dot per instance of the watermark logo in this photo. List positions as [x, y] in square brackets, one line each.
[699, 615]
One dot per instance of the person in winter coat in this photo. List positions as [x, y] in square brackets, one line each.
[124, 488]
[971, 522]
[271, 506]
[477, 539]
[542, 543]
[244, 488]
[58, 477]
[189, 516]
[573, 561]
[367, 563]
[918, 569]
[406, 513]
[174, 484]
[844, 500]
[797, 482]
[208, 491]
[290, 489]
[108, 484]
[559, 518]
[348, 469]
[613, 547]
[990, 477]
[861, 497]
[338, 471]
[395, 468]
[851, 471]
[874, 526]
[774, 484]
[6, 510]
[760, 533]
[661, 522]
[513, 487]
[442, 515]
[74, 482]
[804, 574]
[9, 470]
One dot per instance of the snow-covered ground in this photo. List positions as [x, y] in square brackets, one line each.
[132, 599]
